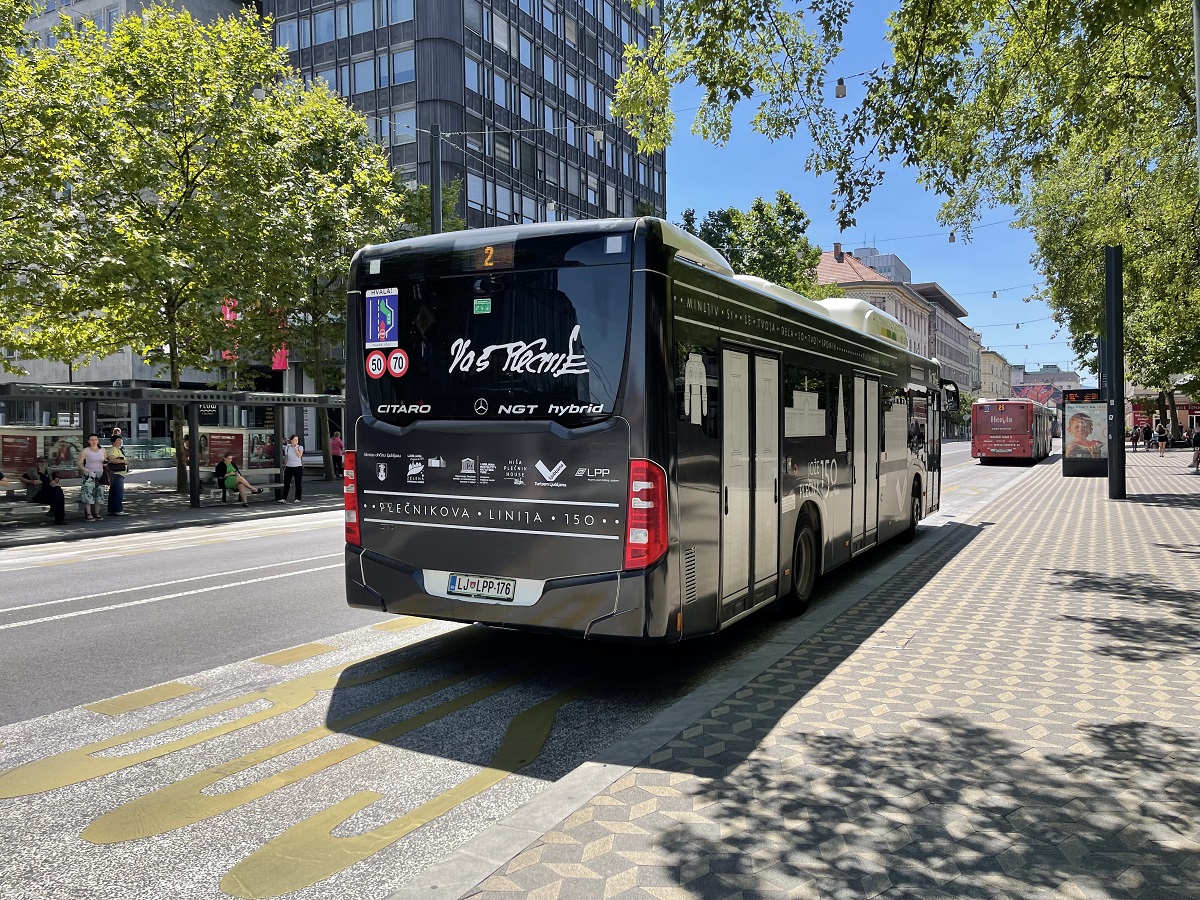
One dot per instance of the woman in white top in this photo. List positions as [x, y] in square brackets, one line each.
[293, 467]
[91, 466]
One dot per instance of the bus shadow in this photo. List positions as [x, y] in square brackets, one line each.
[462, 690]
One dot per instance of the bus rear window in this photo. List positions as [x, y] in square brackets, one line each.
[502, 343]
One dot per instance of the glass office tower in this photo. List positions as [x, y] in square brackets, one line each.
[519, 89]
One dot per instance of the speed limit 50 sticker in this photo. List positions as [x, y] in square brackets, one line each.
[376, 364]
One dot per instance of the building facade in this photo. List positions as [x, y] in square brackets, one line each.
[860, 280]
[888, 265]
[995, 376]
[105, 13]
[949, 338]
[1050, 374]
[519, 90]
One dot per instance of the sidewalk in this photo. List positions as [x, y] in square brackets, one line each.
[1009, 711]
[156, 507]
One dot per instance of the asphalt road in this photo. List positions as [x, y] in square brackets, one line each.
[280, 743]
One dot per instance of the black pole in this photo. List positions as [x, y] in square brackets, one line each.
[435, 178]
[1114, 320]
[193, 456]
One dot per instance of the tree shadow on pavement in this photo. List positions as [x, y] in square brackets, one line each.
[1172, 501]
[950, 808]
[1160, 621]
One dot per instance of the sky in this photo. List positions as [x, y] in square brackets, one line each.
[900, 218]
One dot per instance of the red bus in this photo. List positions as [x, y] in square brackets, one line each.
[1010, 429]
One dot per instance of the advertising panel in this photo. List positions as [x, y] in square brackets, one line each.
[1085, 434]
[262, 453]
[17, 452]
[220, 443]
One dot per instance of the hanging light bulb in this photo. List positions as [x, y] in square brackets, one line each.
[952, 237]
[839, 90]
[1018, 326]
[993, 295]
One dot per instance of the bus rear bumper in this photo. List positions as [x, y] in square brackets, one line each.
[608, 606]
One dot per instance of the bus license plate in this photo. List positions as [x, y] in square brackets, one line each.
[482, 586]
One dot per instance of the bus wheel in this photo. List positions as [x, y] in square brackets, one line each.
[804, 569]
[914, 516]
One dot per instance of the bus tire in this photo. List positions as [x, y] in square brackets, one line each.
[914, 514]
[805, 557]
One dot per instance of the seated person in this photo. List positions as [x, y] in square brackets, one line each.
[41, 486]
[229, 476]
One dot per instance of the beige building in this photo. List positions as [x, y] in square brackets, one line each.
[859, 280]
[995, 376]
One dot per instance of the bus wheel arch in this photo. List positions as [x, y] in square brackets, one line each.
[914, 512]
[806, 561]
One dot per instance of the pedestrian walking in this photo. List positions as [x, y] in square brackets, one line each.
[92, 464]
[1160, 435]
[118, 468]
[293, 467]
[1196, 450]
[1146, 437]
[1135, 436]
[337, 449]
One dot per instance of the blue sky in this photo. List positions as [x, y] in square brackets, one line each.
[900, 218]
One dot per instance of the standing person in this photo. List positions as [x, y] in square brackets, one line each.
[336, 449]
[1160, 434]
[41, 486]
[1135, 437]
[1196, 450]
[1146, 436]
[118, 468]
[92, 463]
[293, 467]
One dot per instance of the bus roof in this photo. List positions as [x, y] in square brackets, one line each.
[779, 292]
[866, 319]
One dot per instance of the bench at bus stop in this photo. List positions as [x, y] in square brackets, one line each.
[212, 488]
[14, 502]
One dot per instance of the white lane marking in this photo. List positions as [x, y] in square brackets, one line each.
[215, 587]
[162, 584]
[33, 557]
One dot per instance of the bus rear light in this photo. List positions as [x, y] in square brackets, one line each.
[646, 534]
[350, 497]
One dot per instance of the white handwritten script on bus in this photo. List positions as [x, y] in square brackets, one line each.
[521, 357]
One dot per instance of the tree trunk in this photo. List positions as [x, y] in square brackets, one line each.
[1162, 407]
[177, 413]
[322, 417]
[1176, 431]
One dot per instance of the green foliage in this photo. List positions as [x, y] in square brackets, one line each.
[767, 240]
[1080, 114]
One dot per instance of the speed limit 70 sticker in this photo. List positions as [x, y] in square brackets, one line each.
[376, 364]
[397, 363]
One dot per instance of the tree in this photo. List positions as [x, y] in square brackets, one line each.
[171, 167]
[336, 193]
[767, 240]
[1019, 103]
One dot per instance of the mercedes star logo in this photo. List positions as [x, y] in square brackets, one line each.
[480, 406]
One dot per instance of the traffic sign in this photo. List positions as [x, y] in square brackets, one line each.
[376, 364]
[397, 362]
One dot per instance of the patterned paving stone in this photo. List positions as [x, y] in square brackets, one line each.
[1016, 714]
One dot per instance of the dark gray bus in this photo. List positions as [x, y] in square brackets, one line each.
[597, 428]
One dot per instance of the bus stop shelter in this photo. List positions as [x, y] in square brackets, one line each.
[89, 397]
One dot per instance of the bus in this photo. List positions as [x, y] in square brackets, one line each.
[1012, 428]
[597, 428]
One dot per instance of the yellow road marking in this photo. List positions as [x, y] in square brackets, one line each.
[114, 706]
[79, 765]
[294, 654]
[396, 625]
[308, 852]
[185, 803]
